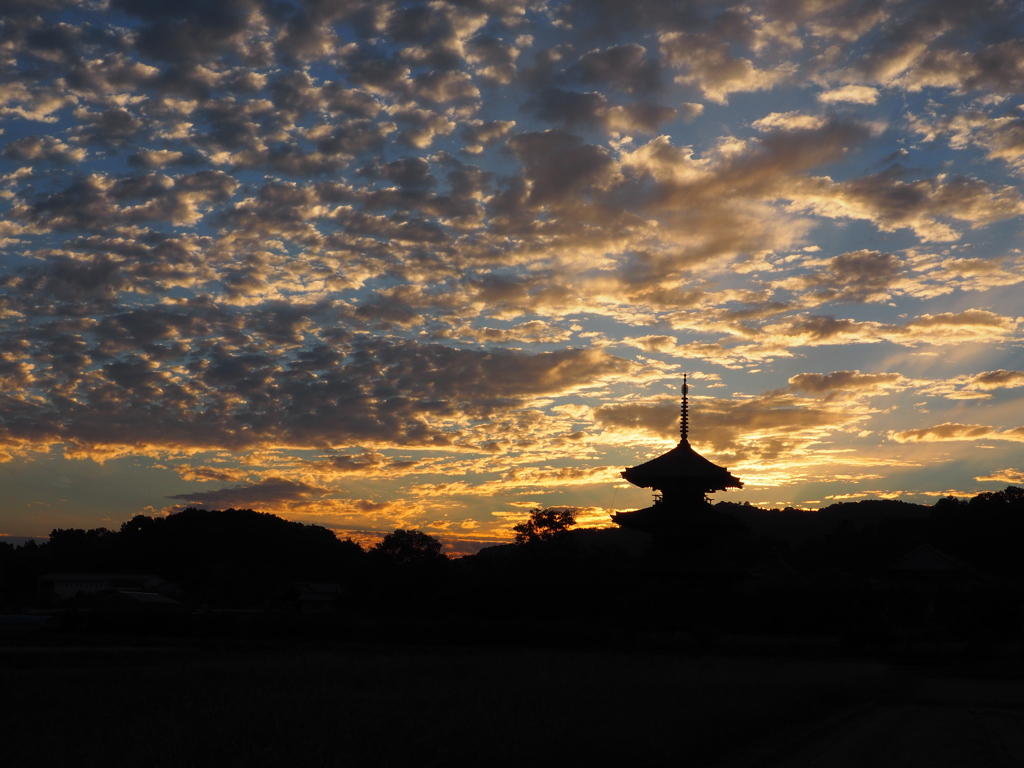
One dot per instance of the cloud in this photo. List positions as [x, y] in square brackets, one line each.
[1002, 137]
[270, 491]
[856, 277]
[200, 32]
[368, 463]
[623, 67]
[789, 121]
[922, 205]
[520, 479]
[37, 104]
[559, 166]
[419, 127]
[998, 379]
[855, 94]
[843, 381]
[385, 394]
[707, 63]
[1010, 476]
[954, 431]
[494, 59]
[573, 109]
[770, 427]
[209, 474]
[943, 328]
[35, 148]
[951, 327]
[532, 332]
[479, 133]
[934, 275]
[994, 67]
[98, 202]
[464, 245]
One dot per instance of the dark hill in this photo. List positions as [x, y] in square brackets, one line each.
[796, 527]
[231, 557]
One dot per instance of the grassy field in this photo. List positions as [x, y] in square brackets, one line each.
[161, 708]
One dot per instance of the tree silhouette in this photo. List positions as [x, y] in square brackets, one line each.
[411, 547]
[544, 524]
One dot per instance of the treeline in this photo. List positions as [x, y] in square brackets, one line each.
[211, 553]
[229, 558]
[759, 572]
[986, 531]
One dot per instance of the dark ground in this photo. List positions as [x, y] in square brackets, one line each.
[937, 718]
[178, 706]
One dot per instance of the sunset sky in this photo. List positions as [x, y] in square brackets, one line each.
[376, 264]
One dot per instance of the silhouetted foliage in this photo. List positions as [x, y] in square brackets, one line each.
[410, 547]
[544, 524]
[78, 550]
[797, 526]
[229, 558]
[752, 571]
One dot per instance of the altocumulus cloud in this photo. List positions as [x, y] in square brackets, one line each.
[405, 262]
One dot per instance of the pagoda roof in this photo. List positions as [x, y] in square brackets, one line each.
[681, 465]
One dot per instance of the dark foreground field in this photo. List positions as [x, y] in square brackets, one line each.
[160, 707]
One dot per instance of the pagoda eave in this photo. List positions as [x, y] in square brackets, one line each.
[708, 485]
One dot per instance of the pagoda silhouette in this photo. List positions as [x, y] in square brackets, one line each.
[681, 516]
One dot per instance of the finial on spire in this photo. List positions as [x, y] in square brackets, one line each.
[684, 420]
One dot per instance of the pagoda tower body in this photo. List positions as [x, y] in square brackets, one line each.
[682, 479]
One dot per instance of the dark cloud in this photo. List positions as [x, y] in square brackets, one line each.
[381, 392]
[842, 381]
[408, 173]
[352, 138]
[269, 491]
[644, 117]
[350, 101]
[494, 58]
[439, 87]
[559, 165]
[387, 77]
[111, 126]
[74, 280]
[294, 92]
[35, 148]
[859, 276]
[624, 67]
[608, 18]
[163, 158]
[571, 109]
[478, 133]
[191, 30]
[999, 67]
[822, 327]
[99, 202]
[419, 127]
[923, 205]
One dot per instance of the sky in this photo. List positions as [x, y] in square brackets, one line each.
[378, 265]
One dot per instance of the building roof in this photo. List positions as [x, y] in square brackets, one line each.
[928, 558]
[681, 465]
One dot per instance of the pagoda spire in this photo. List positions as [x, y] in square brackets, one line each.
[684, 416]
[682, 479]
